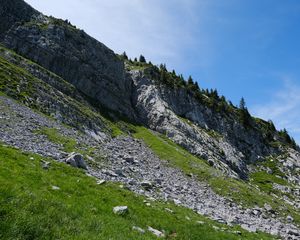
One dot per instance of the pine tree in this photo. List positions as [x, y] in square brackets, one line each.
[244, 115]
[124, 55]
[190, 81]
[142, 59]
[242, 104]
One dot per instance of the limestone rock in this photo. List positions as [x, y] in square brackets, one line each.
[76, 160]
[156, 232]
[120, 210]
[138, 229]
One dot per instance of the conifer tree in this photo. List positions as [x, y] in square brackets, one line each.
[142, 59]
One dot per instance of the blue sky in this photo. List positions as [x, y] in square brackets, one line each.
[244, 48]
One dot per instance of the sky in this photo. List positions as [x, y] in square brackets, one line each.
[243, 48]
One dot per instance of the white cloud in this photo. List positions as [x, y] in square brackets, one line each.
[283, 108]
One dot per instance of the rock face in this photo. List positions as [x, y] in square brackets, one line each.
[219, 139]
[12, 11]
[69, 52]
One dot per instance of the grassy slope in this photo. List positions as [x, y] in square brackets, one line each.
[240, 191]
[81, 209]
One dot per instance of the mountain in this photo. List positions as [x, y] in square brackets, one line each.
[139, 124]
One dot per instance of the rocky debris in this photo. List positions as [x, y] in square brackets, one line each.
[120, 210]
[20, 126]
[140, 230]
[293, 233]
[76, 160]
[156, 232]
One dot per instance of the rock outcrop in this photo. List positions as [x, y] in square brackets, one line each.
[221, 140]
[69, 52]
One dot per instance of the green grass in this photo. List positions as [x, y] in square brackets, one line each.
[81, 209]
[15, 81]
[265, 181]
[69, 144]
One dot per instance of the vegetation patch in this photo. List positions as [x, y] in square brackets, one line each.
[68, 144]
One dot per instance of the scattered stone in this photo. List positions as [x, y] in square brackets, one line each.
[177, 202]
[119, 173]
[55, 188]
[100, 182]
[140, 230]
[76, 160]
[200, 222]
[169, 210]
[120, 210]
[45, 165]
[129, 159]
[256, 212]
[216, 228]
[156, 232]
[289, 219]
[248, 228]
[152, 199]
[268, 207]
[293, 232]
[147, 185]
[237, 232]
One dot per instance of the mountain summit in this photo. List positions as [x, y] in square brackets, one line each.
[133, 122]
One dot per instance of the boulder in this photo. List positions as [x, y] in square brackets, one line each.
[156, 232]
[147, 185]
[120, 210]
[76, 160]
[289, 219]
[138, 229]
